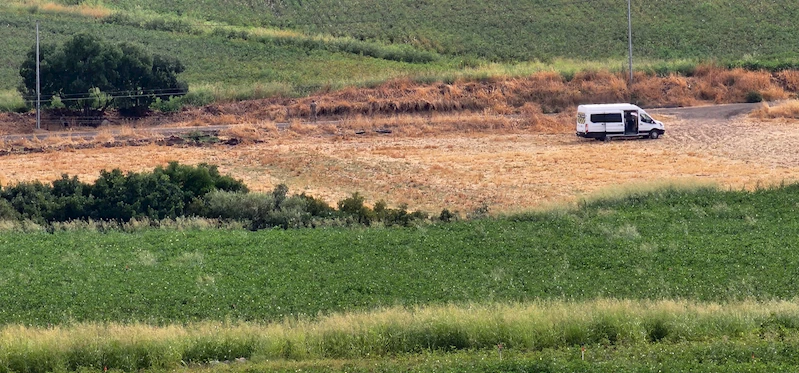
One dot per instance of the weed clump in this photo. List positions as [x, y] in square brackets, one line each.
[754, 96]
[786, 110]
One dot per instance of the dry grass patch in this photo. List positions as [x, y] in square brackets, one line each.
[671, 90]
[127, 133]
[249, 133]
[725, 86]
[95, 10]
[58, 141]
[104, 136]
[785, 110]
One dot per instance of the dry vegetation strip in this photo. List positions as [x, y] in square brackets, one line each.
[543, 92]
[97, 10]
[391, 331]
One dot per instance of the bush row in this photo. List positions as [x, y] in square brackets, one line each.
[163, 193]
[186, 191]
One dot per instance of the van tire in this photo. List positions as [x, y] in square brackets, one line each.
[654, 134]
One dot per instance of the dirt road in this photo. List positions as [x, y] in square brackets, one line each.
[725, 131]
[707, 114]
[700, 114]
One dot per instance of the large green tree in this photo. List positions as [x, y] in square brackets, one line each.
[91, 75]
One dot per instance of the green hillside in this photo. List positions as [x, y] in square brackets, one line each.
[238, 49]
[213, 58]
[522, 29]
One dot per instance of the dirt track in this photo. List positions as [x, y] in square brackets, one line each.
[506, 171]
[725, 131]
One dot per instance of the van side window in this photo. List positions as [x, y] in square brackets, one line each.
[647, 118]
[606, 118]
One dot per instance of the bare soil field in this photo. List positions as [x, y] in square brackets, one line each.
[506, 168]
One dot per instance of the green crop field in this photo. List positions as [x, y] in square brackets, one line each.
[522, 30]
[670, 279]
[703, 245]
[242, 49]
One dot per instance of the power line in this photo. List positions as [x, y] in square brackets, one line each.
[113, 94]
[138, 91]
[102, 98]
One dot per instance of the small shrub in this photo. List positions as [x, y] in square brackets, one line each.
[199, 98]
[289, 213]
[236, 205]
[172, 105]
[12, 102]
[7, 211]
[200, 138]
[480, 212]
[317, 207]
[354, 206]
[447, 216]
[56, 103]
[605, 331]
[122, 19]
[754, 96]
[657, 330]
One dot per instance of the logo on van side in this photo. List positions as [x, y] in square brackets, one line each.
[581, 118]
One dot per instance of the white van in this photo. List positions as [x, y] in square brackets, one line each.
[606, 121]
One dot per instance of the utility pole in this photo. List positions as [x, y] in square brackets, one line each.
[630, 37]
[38, 84]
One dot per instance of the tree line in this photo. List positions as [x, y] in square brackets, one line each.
[87, 75]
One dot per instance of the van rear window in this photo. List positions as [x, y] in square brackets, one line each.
[606, 118]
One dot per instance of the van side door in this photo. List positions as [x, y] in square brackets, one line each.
[613, 122]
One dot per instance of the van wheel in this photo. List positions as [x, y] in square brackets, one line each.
[654, 134]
